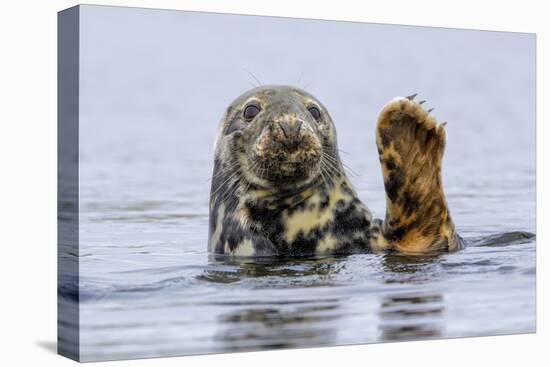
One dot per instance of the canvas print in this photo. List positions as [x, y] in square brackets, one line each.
[235, 183]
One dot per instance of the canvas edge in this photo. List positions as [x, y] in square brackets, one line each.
[68, 297]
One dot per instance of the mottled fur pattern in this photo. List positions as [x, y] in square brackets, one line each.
[410, 145]
[279, 188]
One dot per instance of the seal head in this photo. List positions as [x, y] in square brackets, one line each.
[277, 135]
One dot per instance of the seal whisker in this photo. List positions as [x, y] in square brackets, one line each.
[254, 76]
[352, 171]
[325, 159]
[331, 171]
[330, 167]
[238, 182]
[234, 174]
[323, 176]
[249, 182]
[334, 160]
[331, 158]
[328, 182]
[334, 163]
[230, 189]
[223, 171]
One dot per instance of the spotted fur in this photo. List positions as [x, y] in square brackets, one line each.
[279, 188]
[410, 146]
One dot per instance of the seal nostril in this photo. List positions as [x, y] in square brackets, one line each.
[292, 131]
[296, 128]
[286, 129]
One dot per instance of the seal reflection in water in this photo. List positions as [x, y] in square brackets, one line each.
[279, 187]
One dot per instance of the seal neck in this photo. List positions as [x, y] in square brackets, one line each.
[288, 200]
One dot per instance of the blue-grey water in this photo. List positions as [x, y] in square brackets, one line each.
[153, 87]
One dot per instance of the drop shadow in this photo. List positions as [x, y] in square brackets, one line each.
[48, 345]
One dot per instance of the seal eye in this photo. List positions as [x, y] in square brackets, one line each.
[251, 111]
[315, 112]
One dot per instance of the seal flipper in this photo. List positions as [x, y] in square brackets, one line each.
[410, 144]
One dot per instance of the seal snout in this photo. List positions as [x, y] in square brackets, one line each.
[292, 130]
[289, 132]
[286, 150]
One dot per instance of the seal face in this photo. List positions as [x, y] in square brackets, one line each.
[279, 187]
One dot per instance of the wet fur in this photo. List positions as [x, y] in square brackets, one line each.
[261, 206]
[410, 145]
